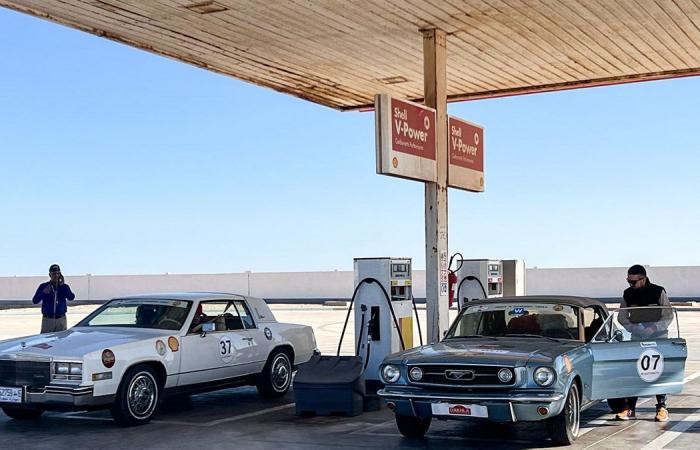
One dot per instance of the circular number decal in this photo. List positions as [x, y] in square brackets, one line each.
[225, 349]
[650, 365]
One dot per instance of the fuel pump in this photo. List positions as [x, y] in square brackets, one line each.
[382, 325]
[478, 279]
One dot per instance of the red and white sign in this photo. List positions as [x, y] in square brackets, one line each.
[405, 133]
[466, 155]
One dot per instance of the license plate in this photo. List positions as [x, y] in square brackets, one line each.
[10, 395]
[458, 409]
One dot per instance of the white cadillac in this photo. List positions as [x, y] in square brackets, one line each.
[132, 351]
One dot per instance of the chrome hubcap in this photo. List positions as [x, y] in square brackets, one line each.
[142, 395]
[572, 413]
[280, 373]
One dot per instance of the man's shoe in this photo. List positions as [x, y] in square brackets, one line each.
[661, 414]
[627, 414]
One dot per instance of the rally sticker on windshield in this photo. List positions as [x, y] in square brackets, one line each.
[650, 365]
[520, 311]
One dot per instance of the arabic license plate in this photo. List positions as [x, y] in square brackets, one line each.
[458, 409]
[10, 395]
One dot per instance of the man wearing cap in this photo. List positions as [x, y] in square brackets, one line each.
[642, 292]
[53, 295]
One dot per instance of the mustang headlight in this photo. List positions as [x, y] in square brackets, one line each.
[416, 374]
[391, 374]
[505, 375]
[544, 376]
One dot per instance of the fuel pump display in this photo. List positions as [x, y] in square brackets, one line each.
[478, 279]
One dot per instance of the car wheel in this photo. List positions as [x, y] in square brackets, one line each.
[617, 405]
[413, 427]
[564, 427]
[22, 413]
[137, 397]
[276, 376]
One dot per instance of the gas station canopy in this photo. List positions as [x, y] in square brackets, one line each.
[341, 53]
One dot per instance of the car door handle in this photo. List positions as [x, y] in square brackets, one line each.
[679, 343]
[249, 339]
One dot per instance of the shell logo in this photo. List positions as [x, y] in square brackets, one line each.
[395, 162]
[173, 344]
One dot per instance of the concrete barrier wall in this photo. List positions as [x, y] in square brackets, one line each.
[607, 282]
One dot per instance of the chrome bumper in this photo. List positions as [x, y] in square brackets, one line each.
[388, 393]
[62, 396]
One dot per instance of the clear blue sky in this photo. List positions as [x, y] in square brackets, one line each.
[119, 161]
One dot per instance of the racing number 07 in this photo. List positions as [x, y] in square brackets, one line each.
[646, 361]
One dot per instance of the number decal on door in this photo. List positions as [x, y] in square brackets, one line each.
[650, 365]
[225, 349]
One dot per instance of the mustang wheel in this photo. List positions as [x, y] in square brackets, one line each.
[413, 427]
[276, 377]
[22, 413]
[137, 397]
[617, 405]
[564, 427]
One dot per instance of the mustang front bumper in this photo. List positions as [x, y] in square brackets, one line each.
[501, 407]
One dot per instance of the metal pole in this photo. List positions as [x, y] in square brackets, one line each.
[435, 81]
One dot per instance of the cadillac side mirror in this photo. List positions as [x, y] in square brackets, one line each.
[207, 327]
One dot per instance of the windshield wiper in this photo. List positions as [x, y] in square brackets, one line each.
[532, 335]
[470, 336]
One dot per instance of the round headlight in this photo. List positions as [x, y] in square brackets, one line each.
[416, 374]
[391, 374]
[505, 375]
[544, 376]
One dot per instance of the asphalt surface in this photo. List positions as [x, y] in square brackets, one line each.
[239, 418]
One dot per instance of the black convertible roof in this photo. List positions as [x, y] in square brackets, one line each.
[582, 302]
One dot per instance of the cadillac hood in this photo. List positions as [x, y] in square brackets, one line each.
[498, 351]
[77, 342]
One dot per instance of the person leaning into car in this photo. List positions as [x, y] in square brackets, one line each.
[53, 295]
[642, 292]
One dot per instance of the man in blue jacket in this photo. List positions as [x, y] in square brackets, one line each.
[53, 295]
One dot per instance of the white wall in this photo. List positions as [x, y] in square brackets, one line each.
[590, 282]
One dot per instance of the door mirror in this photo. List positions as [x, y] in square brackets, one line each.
[617, 336]
[207, 327]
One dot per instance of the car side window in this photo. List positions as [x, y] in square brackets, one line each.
[592, 321]
[222, 313]
[244, 314]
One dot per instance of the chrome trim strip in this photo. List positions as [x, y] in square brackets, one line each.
[524, 399]
[512, 412]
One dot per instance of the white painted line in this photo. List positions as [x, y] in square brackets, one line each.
[615, 433]
[669, 435]
[228, 419]
[690, 378]
[597, 422]
[455, 438]
[367, 430]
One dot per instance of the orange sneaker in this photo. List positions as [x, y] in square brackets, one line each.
[661, 414]
[627, 414]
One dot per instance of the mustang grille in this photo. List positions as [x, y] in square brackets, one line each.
[461, 375]
[33, 374]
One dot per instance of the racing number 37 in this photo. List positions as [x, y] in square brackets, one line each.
[225, 349]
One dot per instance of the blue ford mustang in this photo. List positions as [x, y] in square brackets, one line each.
[535, 358]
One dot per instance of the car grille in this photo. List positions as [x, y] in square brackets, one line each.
[33, 374]
[457, 375]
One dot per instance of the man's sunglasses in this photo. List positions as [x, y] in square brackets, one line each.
[633, 282]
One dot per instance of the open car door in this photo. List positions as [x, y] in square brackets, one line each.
[638, 352]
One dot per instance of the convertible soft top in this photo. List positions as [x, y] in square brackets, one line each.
[582, 302]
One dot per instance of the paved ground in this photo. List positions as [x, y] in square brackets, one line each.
[240, 418]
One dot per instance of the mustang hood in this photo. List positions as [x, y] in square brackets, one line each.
[499, 351]
[77, 342]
